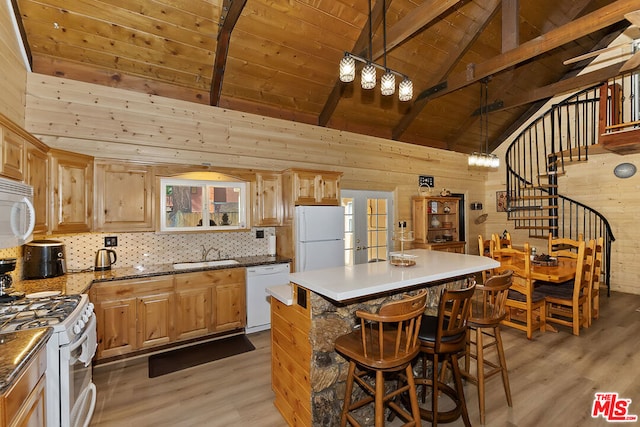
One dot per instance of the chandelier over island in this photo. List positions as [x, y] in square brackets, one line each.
[368, 73]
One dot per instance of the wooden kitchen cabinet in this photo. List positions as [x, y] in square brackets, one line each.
[210, 301]
[133, 314]
[24, 403]
[436, 223]
[155, 314]
[124, 197]
[267, 201]
[194, 304]
[71, 192]
[36, 174]
[11, 154]
[309, 188]
[139, 314]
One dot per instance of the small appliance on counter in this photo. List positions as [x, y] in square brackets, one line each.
[43, 259]
[104, 259]
[6, 291]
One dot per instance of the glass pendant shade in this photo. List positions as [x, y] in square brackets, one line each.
[368, 78]
[405, 90]
[347, 69]
[388, 84]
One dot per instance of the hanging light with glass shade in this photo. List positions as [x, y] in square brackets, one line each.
[368, 74]
[484, 159]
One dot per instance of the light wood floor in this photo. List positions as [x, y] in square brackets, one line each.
[553, 381]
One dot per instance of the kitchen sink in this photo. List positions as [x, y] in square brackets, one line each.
[204, 264]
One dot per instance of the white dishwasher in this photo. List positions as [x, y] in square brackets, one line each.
[259, 278]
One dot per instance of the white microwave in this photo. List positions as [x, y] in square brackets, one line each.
[17, 215]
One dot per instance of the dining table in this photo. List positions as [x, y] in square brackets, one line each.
[563, 271]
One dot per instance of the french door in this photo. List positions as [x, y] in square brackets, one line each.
[368, 225]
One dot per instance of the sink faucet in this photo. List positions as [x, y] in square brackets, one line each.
[205, 252]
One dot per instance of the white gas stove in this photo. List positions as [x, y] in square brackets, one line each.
[70, 392]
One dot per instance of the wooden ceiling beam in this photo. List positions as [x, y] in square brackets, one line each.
[601, 18]
[233, 10]
[491, 8]
[412, 23]
[510, 24]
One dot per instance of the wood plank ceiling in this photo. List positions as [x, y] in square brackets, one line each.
[280, 58]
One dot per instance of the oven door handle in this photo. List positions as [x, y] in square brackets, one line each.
[88, 343]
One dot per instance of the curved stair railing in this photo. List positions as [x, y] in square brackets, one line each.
[565, 134]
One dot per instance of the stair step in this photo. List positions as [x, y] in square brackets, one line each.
[533, 218]
[531, 208]
[532, 227]
[548, 174]
[538, 186]
[535, 197]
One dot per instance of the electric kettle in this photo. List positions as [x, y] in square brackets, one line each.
[104, 259]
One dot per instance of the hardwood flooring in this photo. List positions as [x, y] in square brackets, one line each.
[553, 381]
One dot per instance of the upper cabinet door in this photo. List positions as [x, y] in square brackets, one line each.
[72, 192]
[11, 154]
[124, 197]
[37, 175]
[267, 204]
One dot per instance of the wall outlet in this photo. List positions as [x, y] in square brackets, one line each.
[259, 234]
[110, 241]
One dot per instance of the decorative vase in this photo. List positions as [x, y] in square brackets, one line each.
[435, 223]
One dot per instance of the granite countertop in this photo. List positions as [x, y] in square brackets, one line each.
[345, 283]
[16, 351]
[80, 282]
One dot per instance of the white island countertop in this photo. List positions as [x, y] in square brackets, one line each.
[350, 282]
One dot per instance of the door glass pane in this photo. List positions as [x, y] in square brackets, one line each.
[377, 229]
[348, 231]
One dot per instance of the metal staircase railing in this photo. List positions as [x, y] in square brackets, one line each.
[565, 134]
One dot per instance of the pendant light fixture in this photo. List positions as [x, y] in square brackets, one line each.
[483, 158]
[368, 74]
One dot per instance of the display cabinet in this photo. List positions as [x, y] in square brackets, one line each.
[436, 223]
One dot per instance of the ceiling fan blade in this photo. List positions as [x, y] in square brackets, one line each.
[592, 54]
[632, 64]
[633, 17]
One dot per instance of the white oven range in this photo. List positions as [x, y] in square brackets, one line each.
[70, 392]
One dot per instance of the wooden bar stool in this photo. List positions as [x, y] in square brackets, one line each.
[488, 310]
[442, 337]
[386, 342]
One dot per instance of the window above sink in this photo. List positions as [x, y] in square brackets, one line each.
[202, 205]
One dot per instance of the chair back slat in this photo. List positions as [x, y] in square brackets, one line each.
[398, 319]
[490, 299]
[564, 246]
[454, 310]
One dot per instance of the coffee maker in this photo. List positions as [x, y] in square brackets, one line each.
[7, 265]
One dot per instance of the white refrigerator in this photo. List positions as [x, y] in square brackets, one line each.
[319, 237]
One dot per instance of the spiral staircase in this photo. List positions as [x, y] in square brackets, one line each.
[598, 119]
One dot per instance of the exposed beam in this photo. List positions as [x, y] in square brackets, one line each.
[412, 23]
[233, 9]
[510, 24]
[474, 31]
[360, 46]
[601, 18]
[23, 34]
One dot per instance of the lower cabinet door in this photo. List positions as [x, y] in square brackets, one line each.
[229, 306]
[116, 323]
[155, 320]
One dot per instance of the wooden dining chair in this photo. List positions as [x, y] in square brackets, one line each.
[525, 305]
[502, 242]
[594, 290]
[563, 246]
[488, 309]
[386, 342]
[568, 303]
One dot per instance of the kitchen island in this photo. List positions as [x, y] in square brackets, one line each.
[307, 374]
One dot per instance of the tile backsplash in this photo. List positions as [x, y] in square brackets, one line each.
[143, 249]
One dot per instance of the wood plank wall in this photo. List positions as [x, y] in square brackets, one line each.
[114, 123]
[14, 74]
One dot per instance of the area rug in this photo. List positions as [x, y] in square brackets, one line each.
[187, 357]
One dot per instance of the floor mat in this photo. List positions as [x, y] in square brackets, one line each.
[187, 357]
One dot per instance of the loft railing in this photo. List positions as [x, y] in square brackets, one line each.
[565, 134]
